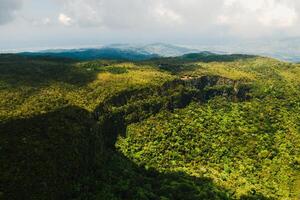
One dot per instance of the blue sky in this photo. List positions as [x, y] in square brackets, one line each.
[41, 24]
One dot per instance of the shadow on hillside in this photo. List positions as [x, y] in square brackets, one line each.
[45, 156]
[16, 71]
[123, 179]
[62, 155]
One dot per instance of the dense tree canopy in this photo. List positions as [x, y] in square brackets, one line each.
[192, 127]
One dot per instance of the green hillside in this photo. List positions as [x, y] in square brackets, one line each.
[199, 126]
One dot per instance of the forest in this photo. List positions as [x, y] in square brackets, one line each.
[198, 126]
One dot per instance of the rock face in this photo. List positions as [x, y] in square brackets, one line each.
[210, 86]
[54, 155]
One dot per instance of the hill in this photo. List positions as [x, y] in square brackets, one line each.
[116, 52]
[197, 126]
[92, 54]
[162, 49]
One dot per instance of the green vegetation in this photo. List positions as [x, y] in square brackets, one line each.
[37, 86]
[245, 147]
[192, 127]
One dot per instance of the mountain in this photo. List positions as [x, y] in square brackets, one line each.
[162, 49]
[92, 54]
[284, 49]
[117, 51]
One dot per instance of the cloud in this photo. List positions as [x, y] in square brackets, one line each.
[258, 17]
[165, 14]
[64, 19]
[192, 18]
[227, 17]
[40, 22]
[278, 15]
[8, 10]
[46, 21]
[178, 21]
[142, 14]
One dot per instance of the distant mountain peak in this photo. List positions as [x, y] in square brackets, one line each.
[120, 51]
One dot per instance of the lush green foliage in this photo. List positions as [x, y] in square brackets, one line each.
[245, 147]
[36, 86]
[192, 127]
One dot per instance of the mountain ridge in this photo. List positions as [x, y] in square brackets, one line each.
[118, 51]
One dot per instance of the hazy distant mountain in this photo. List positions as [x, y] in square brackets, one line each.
[165, 50]
[284, 49]
[90, 54]
[118, 51]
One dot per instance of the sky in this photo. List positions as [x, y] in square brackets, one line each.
[44, 24]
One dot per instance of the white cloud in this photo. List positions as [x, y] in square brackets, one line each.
[240, 16]
[278, 15]
[167, 15]
[252, 5]
[143, 14]
[64, 19]
[46, 21]
[271, 13]
[40, 22]
[150, 20]
[8, 9]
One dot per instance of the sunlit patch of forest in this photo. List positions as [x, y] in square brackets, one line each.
[36, 86]
[189, 127]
